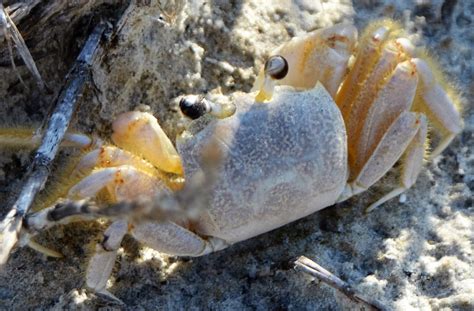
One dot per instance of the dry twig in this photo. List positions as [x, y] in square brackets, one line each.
[38, 171]
[308, 266]
[10, 32]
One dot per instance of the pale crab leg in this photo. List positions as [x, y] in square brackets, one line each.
[390, 148]
[395, 96]
[163, 236]
[102, 262]
[122, 182]
[140, 133]
[367, 56]
[30, 138]
[378, 81]
[170, 238]
[412, 165]
[438, 105]
[111, 156]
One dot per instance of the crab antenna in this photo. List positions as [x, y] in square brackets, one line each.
[276, 68]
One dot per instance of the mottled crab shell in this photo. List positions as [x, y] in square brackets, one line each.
[283, 160]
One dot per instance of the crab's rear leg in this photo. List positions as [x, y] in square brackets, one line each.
[440, 107]
[382, 77]
[387, 131]
[164, 236]
[369, 53]
[402, 137]
[372, 116]
[412, 164]
[171, 238]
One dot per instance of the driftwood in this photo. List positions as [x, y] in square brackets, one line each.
[10, 32]
[312, 268]
[57, 125]
[47, 26]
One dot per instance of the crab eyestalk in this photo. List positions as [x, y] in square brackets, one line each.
[194, 107]
[276, 68]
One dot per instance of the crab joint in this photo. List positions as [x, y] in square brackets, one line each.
[276, 68]
[194, 107]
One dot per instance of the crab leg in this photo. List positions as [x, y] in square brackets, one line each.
[122, 182]
[111, 156]
[438, 106]
[102, 262]
[394, 97]
[170, 238]
[366, 58]
[30, 138]
[164, 236]
[380, 80]
[412, 165]
[390, 148]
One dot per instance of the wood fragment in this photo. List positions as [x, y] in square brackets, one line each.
[57, 125]
[10, 31]
[20, 10]
[308, 266]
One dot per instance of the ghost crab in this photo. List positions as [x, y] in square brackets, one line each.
[292, 148]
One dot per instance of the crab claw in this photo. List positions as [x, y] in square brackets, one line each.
[140, 133]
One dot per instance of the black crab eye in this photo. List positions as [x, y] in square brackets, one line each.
[276, 67]
[193, 107]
